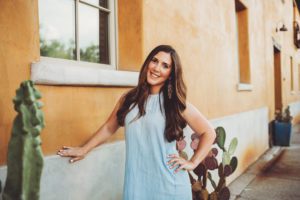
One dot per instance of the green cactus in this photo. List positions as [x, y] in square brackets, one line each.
[233, 163]
[25, 159]
[232, 146]
[211, 180]
[226, 158]
[221, 137]
[225, 168]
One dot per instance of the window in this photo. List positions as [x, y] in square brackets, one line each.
[292, 74]
[80, 30]
[78, 44]
[242, 46]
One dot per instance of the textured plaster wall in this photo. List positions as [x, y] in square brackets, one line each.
[203, 32]
[18, 47]
[130, 36]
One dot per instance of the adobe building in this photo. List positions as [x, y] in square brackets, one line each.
[241, 62]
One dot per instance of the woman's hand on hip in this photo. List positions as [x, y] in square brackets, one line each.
[76, 153]
[180, 163]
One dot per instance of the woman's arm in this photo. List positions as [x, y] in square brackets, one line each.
[99, 137]
[203, 127]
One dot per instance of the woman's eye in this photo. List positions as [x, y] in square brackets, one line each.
[166, 66]
[154, 60]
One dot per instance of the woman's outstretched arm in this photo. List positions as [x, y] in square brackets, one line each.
[100, 136]
[203, 127]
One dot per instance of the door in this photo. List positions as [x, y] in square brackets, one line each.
[277, 79]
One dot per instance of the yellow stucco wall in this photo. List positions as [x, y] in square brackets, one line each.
[130, 34]
[281, 13]
[19, 46]
[72, 114]
[201, 31]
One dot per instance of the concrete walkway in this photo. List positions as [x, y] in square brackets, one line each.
[275, 176]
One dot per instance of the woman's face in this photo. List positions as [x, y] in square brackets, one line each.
[159, 70]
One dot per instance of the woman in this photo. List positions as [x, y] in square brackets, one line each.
[154, 114]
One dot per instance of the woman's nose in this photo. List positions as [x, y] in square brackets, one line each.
[157, 67]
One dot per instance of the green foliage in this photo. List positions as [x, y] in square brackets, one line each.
[57, 49]
[25, 159]
[90, 54]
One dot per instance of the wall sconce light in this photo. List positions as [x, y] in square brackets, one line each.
[282, 27]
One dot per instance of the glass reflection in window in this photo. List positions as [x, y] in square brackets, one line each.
[57, 36]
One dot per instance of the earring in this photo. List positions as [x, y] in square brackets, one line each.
[170, 90]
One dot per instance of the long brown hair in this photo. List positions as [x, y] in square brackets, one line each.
[173, 107]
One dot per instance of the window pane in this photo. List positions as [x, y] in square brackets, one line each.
[93, 34]
[102, 3]
[104, 55]
[89, 33]
[57, 28]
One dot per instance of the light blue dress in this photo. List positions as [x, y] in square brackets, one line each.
[147, 175]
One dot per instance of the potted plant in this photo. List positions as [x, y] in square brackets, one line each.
[282, 127]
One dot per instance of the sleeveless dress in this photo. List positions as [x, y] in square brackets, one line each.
[147, 175]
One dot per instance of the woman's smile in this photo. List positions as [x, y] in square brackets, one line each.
[154, 75]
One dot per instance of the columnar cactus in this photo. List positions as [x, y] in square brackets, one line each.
[25, 159]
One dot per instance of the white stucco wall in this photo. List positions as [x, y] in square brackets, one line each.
[251, 130]
[99, 176]
[295, 108]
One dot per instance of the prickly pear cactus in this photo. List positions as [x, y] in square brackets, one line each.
[25, 159]
[225, 168]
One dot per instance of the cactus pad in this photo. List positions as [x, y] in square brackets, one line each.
[224, 194]
[227, 170]
[211, 163]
